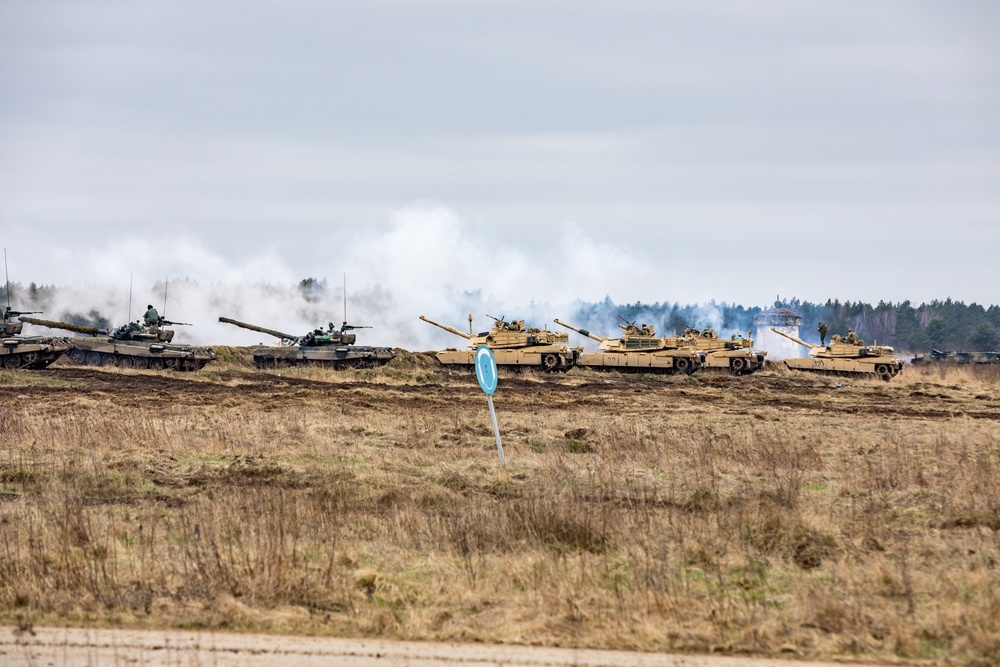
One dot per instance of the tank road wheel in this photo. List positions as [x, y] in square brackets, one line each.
[77, 356]
[682, 365]
[109, 360]
[737, 365]
[93, 358]
[884, 372]
[11, 361]
[125, 362]
[156, 364]
[550, 362]
[140, 362]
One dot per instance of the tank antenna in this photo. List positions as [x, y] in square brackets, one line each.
[7, 277]
[166, 284]
[129, 298]
[345, 297]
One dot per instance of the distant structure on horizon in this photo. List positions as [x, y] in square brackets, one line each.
[784, 320]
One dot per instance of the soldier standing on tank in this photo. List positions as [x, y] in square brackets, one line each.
[151, 318]
[822, 329]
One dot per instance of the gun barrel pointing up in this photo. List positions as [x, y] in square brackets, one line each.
[793, 338]
[76, 328]
[584, 332]
[252, 327]
[457, 332]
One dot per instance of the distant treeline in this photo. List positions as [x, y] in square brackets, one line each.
[944, 325]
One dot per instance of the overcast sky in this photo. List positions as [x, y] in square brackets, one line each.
[662, 151]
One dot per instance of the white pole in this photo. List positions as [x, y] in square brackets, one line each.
[496, 431]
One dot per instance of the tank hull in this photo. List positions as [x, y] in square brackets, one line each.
[135, 354]
[30, 352]
[734, 362]
[547, 358]
[346, 356]
[885, 368]
[658, 361]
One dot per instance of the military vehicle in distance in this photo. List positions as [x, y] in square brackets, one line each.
[132, 345]
[952, 357]
[735, 356]
[331, 347]
[513, 346]
[33, 352]
[846, 356]
[640, 350]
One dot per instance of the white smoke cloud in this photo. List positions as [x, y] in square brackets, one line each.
[426, 261]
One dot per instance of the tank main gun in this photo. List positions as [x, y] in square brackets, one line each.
[588, 334]
[793, 338]
[457, 332]
[252, 327]
[75, 328]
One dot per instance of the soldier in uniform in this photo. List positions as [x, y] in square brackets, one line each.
[151, 318]
[852, 338]
[822, 329]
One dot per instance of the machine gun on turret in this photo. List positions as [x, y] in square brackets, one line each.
[10, 314]
[168, 323]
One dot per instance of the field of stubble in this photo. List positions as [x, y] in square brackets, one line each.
[776, 514]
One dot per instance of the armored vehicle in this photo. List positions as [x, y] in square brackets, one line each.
[513, 346]
[846, 356]
[735, 356]
[132, 345]
[330, 347]
[17, 351]
[952, 357]
[640, 350]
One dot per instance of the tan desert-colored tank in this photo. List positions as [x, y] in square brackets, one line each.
[513, 346]
[132, 345]
[640, 350]
[846, 355]
[27, 352]
[735, 356]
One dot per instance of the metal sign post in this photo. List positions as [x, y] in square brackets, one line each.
[486, 374]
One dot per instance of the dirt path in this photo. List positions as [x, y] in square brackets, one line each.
[70, 647]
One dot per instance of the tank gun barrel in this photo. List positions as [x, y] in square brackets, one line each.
[793, 338]
[584, 332]
[76, 328]
[253, 327]
[457, 332]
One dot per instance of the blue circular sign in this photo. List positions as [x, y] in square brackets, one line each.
[486, 369]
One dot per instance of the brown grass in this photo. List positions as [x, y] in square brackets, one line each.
[769, 514]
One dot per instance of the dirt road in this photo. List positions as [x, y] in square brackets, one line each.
[99, 648]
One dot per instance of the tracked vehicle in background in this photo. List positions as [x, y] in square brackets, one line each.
[513, 346]
[847, 357]
[132, 345]
[27, 352]
[735, 356]
[952, 357]
[640, 350]
[329, 347]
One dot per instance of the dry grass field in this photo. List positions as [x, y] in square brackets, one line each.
[776, 514]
